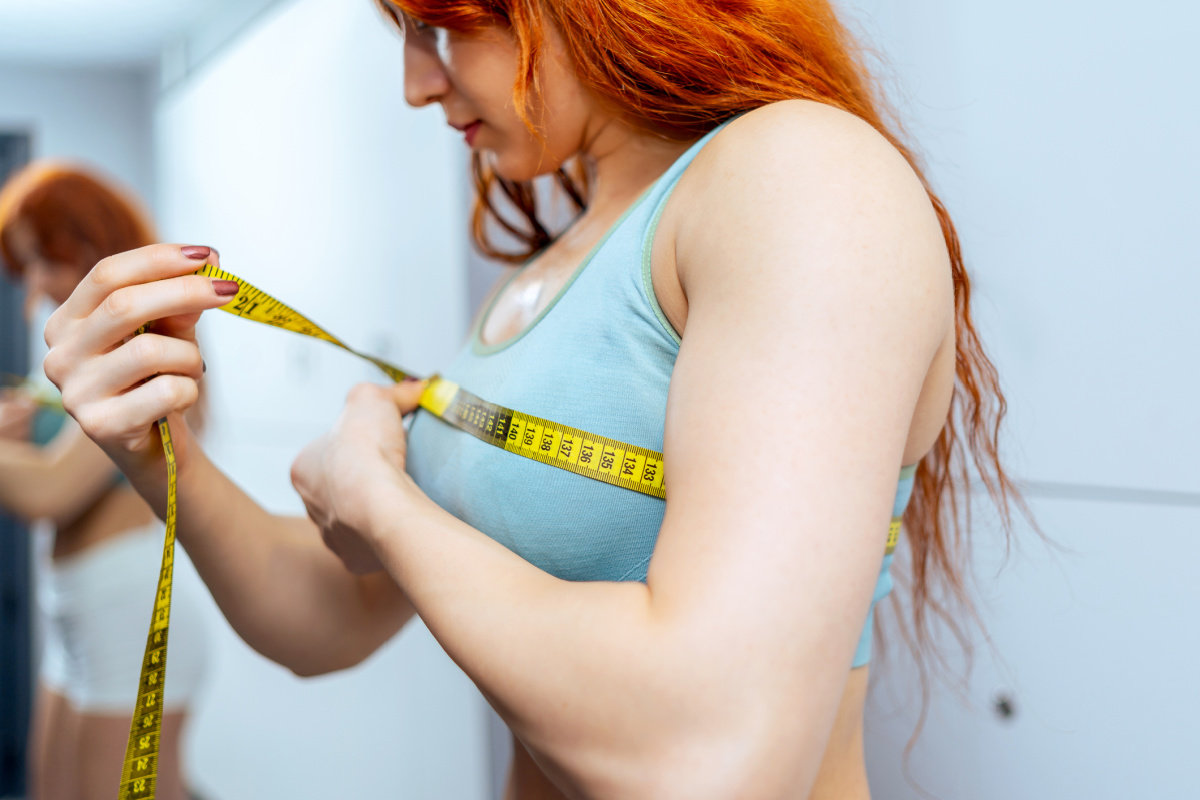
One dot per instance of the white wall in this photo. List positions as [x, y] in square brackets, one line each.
[1062, 138]
[99, 116]
[292, 152]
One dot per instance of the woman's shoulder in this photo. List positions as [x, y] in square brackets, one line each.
[799, 191]
[799, 163]
[806, 143]
[804, 129]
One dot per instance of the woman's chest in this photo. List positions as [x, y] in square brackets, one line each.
[587, 373]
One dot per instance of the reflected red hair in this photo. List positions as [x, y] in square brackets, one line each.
[679, 69]
[69, 215]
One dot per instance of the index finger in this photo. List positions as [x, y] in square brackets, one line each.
[144, 265]
[407, 394]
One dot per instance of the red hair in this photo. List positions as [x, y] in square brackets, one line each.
[69, 216]
[679, 69]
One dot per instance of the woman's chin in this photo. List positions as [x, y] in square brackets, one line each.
[518, 169]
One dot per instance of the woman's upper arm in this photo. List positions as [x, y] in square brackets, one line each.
[64, 478]
[818, 292]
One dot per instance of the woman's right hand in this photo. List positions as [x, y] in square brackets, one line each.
[115, 384]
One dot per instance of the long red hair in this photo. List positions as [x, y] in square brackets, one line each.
[679, 69]
[69, 215]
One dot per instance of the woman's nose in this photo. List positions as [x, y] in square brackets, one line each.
[425, 78]
[30, 306]
[35, 280]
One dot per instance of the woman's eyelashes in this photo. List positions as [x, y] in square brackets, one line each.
[438, 38]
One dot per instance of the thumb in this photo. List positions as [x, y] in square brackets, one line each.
[407, 394]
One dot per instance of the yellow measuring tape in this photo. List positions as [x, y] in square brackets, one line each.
[597, 457]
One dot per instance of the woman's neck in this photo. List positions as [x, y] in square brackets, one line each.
[623, 161]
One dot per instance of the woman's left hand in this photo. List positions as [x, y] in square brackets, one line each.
[360, 459]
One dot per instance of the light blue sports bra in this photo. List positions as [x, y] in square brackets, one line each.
[598, 358]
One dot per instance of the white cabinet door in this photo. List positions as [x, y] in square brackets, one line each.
[1062, 137]
[1094, 647]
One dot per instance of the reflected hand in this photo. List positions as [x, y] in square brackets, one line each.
[17, 410]
[362, 458]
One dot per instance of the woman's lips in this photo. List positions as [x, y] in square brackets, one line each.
[470, 131]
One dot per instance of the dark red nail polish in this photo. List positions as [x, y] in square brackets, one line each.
[198, 252]
[226, 288]
[203, 365]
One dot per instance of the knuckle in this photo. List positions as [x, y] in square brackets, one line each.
[54, 365]
[362, 391]
[190, 392]
[196, 293]
[72, 403]
[145, 350]
[53, 329]
[104, 274]
[296, 474]
[161, 255]
[179, 392]
[195, 360]
[117, 305]
[94, 423]
[169, 391]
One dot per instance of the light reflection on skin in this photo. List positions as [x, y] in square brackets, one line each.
[527, 298]
[442, 44]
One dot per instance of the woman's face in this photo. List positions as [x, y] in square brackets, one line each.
[51, 279]
[42, 277]
[472, 77]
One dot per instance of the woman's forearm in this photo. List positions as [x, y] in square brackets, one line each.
[57, 482]
[284, 593]
[586, 673]
[24, 470]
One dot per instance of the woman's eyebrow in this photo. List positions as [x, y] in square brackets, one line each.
[396, 15]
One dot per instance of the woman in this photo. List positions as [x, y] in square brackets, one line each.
[757, 280]
[96, 598]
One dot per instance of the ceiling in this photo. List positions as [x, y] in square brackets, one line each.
[98, 32]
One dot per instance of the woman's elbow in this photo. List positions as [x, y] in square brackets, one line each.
[37, 505]
[315, 662]
[703, 768]
[315, 667]
[728, 753]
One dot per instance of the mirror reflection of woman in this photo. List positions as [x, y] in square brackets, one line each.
[96, 596]
[757, 280]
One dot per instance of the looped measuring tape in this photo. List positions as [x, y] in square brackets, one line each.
[601, 458]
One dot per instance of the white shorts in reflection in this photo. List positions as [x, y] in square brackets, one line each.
[96, 607]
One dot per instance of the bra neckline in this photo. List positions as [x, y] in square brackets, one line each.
[479, 347]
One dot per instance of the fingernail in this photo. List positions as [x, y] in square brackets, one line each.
[226, 288]
[203, 365]
[198, 252]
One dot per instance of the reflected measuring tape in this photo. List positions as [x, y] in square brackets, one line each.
[627, 466]
[44, 396]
